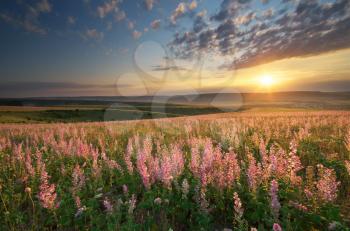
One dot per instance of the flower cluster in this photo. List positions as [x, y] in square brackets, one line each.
[47, 194]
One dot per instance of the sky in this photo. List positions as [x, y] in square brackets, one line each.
[157, 47]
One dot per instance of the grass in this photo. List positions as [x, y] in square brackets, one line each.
[207, 172]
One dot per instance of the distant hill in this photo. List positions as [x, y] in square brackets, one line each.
[305, 99]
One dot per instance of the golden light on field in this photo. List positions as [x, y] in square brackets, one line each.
[266, 80]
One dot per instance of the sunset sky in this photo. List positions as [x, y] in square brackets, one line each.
[144, 47]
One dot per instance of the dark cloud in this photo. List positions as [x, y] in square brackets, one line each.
[29, 19]
[230, 9]
[199, 22]
[307, 28]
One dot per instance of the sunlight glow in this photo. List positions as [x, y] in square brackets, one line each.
[266, 80]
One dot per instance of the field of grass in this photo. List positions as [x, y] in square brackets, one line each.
[93, 109]
[238, 171]
[93, 113]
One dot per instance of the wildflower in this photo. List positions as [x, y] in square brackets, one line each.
[47, 194]
[142, 168]
[28, 190]
[230, 169]
[185, 188]
[253, 172]
[132, 204]
[95, 165]
[127, 157]
[333, 225]
[347, 141]
[108, 206]
[78, 180]
[310, 175]
[77, 201]
[203, 201]
[158, 201]
[298, 206]
[237, 206]
[277, 227]
[327, 185]
[275, 205]
[111, 164]
[347, 165]
[28, 164]
[80, 211]
[294, 164]
[308, 193]
[125, 189]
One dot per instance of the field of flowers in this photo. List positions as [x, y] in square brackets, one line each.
[243, 171]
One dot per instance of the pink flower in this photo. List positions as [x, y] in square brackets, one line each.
[143, 169]
[127, 157]
[253, 173]
[108, 206]
[237, 205]
[158, 201]
[125, 189]
[95, 166]
[298, 206]
[28, 163]
[327, 185]
[77, 201]
[275, 205]
[277, 227]
[47, 194]
[111, 164]
[78, 180]
[308, 193]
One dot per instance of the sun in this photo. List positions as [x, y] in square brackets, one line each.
[266, 80]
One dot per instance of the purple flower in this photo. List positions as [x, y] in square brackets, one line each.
[275, 205]
[47, 194]
[277, 227]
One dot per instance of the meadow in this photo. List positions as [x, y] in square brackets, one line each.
[233, 171]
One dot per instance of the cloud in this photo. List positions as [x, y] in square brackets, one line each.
[149, 4]
[136, 34]
[199, 22]
[155, 24]
[29, 20]
[245, 19]
[94, 34]
[305, 28]
[71, 20]
[178, 12]
[268, 13]
[106, 8]
[44, 6]
[36, 86]
[229, 9]
[120, 15]
[131, 25]
[193, 5]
